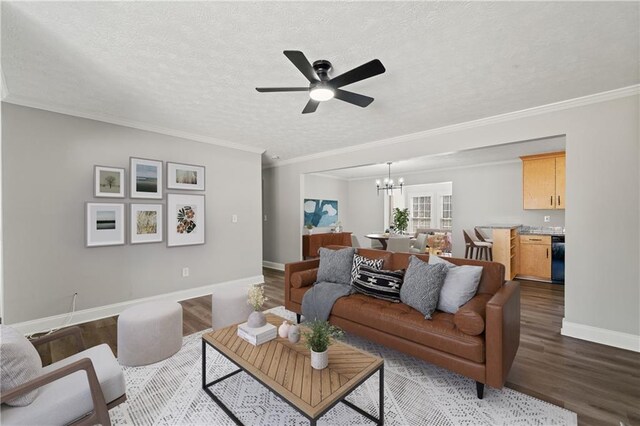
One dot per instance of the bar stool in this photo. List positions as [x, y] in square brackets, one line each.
[481, 248]
[482, 236]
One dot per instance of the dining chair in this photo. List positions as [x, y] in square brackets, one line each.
[354, 241]
[474, 245]
[399, 244]
[420, 244]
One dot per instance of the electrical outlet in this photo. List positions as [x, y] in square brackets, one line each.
[547, 219]
[185, 272]
[265, 217]
[234, 218]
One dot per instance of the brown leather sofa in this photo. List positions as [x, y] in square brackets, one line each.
[480, 341]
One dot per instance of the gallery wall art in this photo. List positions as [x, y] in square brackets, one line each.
[185, 220]
[146, 223]
[146, 178]
[185, 176]
[108, 182]
[320, 213]
[104, 224]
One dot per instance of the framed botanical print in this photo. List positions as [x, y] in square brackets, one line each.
[108, 182]
[145, 223]
[104, 224]
[185, 220]
[185, 176]
[146, 178]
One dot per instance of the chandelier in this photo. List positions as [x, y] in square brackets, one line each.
[387, 185]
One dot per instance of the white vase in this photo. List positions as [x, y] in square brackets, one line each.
[319, 360]
[256, 319]
[294, 333]
[283, 330]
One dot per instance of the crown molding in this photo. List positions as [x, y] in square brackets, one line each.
[515, 115]
[16, 100]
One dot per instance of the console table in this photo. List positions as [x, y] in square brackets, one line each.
[312, 243]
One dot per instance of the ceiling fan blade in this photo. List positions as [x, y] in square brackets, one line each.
[370, 69]
[353, 98]
[312, 106]
[300, 61]
[282, 89]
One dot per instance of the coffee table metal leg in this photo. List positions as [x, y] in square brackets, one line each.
[381, 396]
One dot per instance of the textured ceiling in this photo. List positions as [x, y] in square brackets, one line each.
[468, 158]
[193, 67]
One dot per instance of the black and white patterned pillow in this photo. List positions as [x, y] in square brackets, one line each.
[379, 283]
[361, 260]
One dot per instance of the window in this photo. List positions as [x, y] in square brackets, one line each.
[420, 213]
[445, 220]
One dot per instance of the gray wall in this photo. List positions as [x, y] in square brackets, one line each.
[602, 288]
[47, 169]
[481, 195]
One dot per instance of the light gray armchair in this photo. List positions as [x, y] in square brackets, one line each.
[78, 390]
[420, 245]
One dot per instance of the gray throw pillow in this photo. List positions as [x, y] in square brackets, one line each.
[460, 285]
[20, 364]
[422, 284]
[335, 265]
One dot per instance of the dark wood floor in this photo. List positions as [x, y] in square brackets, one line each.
[600, 383]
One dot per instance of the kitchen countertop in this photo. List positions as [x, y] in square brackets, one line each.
[500, 226]
[526, 230]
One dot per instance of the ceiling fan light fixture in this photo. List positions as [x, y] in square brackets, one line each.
[321, 93]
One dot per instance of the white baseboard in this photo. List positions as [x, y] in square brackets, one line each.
[273, 265]
[617, 339]
[92, 314]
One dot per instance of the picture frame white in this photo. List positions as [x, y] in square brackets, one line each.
[146, 223]
[186, 217]
[145, 178]
[104, 224]
[188, 177]
[109, 182]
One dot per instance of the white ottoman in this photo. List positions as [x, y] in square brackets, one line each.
[229, 306]
[149, 333]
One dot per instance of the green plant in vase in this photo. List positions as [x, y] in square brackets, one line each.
[401, 219]
[317, 338]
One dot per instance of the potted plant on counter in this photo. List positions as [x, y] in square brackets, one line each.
[309, 228]
[318, 335]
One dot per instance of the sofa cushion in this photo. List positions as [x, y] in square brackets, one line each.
[470, 318]
[460, 285]
[20, 364]
[304, 278]
[67, 399]
[335, 265]
[422, 284]
[403, 321]
[363, 261]
[379, 283]
[296, 294]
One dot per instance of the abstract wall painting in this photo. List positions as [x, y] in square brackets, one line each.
[185, 220]
[320, 213]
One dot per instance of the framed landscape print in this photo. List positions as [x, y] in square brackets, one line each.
[185, 220]
[104, 224]
[146, 178]
[108, 182]
[185, 176]
[145, 223]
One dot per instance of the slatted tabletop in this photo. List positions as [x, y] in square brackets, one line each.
[286, 367]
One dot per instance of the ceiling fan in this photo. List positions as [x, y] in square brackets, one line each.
[322, 87]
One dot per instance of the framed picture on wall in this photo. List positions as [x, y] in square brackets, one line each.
[185, 176]
[108, 182]
[185, 220]
[146, 178]
[104, 224]
[145, 223]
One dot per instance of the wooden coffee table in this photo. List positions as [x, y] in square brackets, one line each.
[285, 369]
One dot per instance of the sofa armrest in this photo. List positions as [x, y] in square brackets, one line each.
[470, 317]
[100, 413]
[291, 268]
[502, 333]
[60, 334]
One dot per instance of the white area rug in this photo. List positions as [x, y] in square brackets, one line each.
[416, 393]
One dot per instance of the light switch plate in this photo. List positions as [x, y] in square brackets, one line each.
[185, 272]
[234, 218]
